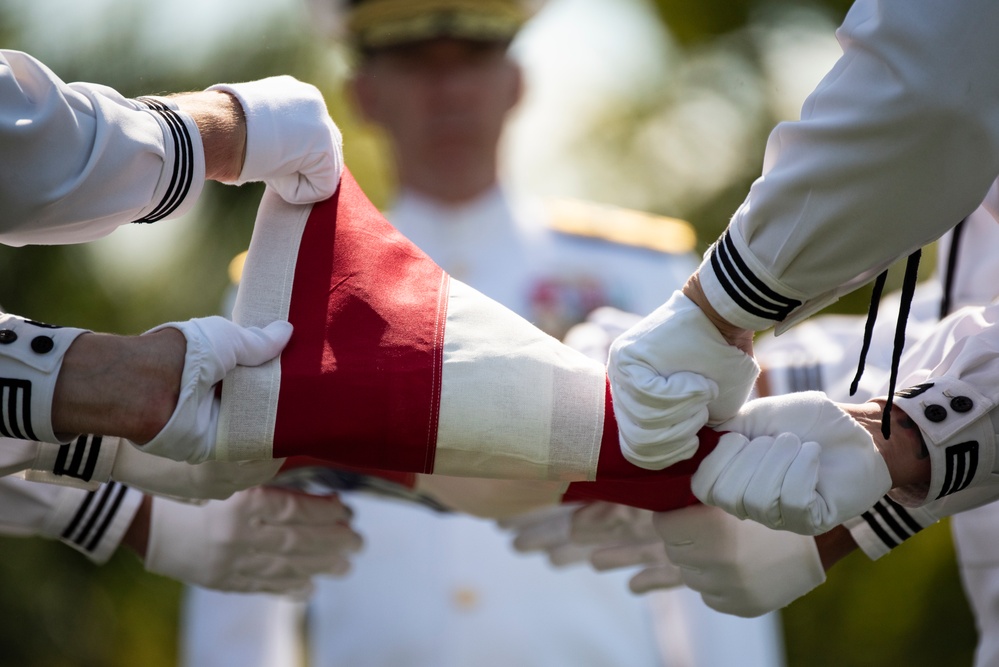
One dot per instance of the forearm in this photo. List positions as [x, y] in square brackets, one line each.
[834, 545]
[119, 160]
[857, 182]
[137, 536]
[119, 385]
[222, 125]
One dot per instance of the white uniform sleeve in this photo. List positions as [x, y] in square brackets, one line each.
[898, 143]
[80, 160]
[92, 522]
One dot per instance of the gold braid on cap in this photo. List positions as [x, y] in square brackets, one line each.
[381, 23]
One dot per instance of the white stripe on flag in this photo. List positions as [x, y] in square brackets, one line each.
[250, 395]
[514, 401]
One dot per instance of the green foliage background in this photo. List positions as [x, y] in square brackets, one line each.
[60, 610]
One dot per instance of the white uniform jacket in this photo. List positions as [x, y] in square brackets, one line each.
[79, 160]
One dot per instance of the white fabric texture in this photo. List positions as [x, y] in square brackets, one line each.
[250, 394]
[28, 374]
[514, 401]
[258, 540]
[860, 181]
[955, 365]
[92, 522]
[459, 593]
[177, 479]
[806, 466]
[739, 567]
[292, 143]
[974, 538]
[215, 346]
[85, 463]
[671, 374]
[118, 160]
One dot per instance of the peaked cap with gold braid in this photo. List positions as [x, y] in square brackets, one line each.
[375, 24]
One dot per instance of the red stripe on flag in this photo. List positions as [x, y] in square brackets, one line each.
[360, 379]
[620, 481]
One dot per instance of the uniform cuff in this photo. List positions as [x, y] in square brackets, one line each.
[953, 418]
[31, 355]
[886, 525]
[740, 288]
[184, 161]
[85, 463]
[96, 523]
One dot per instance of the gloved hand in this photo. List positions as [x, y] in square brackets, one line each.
[806, 466]
[739, 567]
[671, 374]
[547, 530]
[211, 479]
[259, 540]
[214, 347]
[609, 535]
[657, 571]
[292, 143]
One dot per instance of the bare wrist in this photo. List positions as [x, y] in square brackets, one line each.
[119, 385]
[222, 125]
[736, 336]
[834, 545]
[904, 452]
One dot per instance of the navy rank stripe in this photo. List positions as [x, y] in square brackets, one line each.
[891, 522]
[183, 167]
[15, 409]
[95, 513]
[804, 378]
[746, 289]
[79, 458]
[960, 466]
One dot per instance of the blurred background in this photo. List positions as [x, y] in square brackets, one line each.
[658, 105]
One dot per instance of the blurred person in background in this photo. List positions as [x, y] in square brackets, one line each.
[440, 590]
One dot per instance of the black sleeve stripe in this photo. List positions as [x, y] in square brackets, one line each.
[879, 531]
[95, 517]
[81, 512]
[183, 168]
[744, 287]
[112, 512]
[804, 378]
[888, 517]
[890, 521]
[85, 452]
[904, 515]
[15, 411]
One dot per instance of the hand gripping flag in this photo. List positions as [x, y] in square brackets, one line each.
[395, 366]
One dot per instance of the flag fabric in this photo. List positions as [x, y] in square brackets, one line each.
[396, 366]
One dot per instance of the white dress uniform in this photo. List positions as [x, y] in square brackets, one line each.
[448, 590]
[820, 354]
[79, 160]
[91, 520]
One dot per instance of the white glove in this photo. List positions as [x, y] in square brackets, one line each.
[657, 572]
[292, 143]
[671, 374]
[609, 535]
[547, 530]
[806, 466]
[739, 567]
[259, 540]
[177, 479]
[214, 347]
